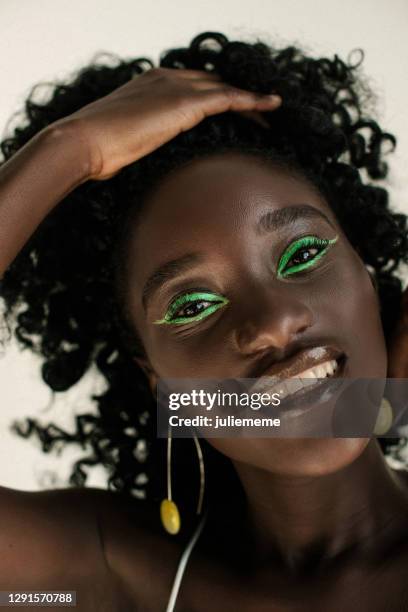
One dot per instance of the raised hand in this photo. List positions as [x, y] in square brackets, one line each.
[153, 108]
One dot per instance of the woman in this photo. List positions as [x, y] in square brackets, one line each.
[151, 267]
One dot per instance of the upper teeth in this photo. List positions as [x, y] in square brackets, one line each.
[320, 371]
[303, 379]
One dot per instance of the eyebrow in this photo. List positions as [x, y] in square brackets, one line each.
[273, 220]
[167, 272]
[270, 221]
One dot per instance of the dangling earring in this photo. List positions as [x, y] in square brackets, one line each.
[384, 418]
[202, 474]
[169, 512]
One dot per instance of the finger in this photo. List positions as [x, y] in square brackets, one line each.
[234, 99]
[209, 76]
[255, 116]
[204, 84]
[270, 102]
[189, 74]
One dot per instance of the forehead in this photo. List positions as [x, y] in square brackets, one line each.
[206, 198]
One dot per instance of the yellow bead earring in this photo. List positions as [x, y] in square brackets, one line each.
[169, 512]
[384, 418]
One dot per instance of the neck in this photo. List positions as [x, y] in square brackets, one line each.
[302, 520]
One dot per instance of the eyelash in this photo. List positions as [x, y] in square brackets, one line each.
[306, 243]
[187, 300]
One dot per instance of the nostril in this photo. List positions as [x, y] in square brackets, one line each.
[272, 327]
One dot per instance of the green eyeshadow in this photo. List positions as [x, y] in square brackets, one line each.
[214, 303]
[302, 244]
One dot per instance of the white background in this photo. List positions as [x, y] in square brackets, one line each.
[43, 40]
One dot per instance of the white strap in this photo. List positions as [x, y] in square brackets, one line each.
[182, 565]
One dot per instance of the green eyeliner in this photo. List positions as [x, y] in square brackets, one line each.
[297, 245]
[188, 298]
[219, 301]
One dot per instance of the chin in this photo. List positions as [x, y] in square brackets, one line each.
[297, 457]
[318, 456]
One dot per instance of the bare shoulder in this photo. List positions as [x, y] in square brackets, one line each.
[51, 540]
[85, 537]
[137, 550]
[50, 521]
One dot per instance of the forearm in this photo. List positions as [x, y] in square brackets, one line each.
[34, 180]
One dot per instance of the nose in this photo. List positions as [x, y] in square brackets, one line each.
[272, 323]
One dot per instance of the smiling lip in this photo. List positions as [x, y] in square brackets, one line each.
[316, 391]
[310, 377]
[297, 365]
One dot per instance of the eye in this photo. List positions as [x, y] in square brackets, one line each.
[302, 254]
[191, 307]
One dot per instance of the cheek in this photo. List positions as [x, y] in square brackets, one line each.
[204, 354]
[197, 362]
[188, 358]
[351, 304]
[365, 322]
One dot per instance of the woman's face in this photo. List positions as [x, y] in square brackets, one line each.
[227, 226]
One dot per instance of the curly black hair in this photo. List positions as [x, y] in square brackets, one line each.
[63, 293]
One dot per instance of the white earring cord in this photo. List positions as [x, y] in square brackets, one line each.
[200, 464]
[202, 473]
[182, 565]
[169, 464]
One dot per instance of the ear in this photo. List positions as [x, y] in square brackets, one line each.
[150, 374]
[398, 344]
